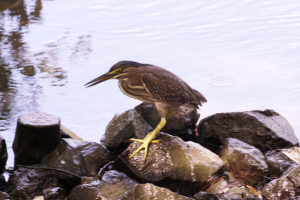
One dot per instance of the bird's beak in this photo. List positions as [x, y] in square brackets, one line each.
[100, 79]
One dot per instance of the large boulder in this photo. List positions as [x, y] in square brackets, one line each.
[123, 127]
[265, 130]
[150, 191]
[81, 158]
[36, 135]
[173, 158]
[112, 185]
[244, 160]
[181, 120]
[27, 183]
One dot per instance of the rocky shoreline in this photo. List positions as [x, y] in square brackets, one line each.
[240, 155]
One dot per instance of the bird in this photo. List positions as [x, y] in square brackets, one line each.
[154, 85]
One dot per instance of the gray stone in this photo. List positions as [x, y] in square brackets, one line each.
[244, 160]
[81, 158]
[3, 154]
[278, 163]
[181, 120]
[28, 183]
[112, 185]
[123, 127]
[36, 135]
[265, 130]
[149, 191]
[173, 158]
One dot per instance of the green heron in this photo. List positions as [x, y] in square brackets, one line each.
[154, 85]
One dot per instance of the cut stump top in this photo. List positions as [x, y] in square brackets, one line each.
[39, 119]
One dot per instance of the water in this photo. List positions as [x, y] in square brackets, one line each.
[242, 55]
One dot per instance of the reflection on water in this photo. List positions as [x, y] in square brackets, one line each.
[240, 55]
[19, 89]
[13, 20]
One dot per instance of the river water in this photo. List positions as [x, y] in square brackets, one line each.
[242, 55]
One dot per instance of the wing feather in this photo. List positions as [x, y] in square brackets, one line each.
[168, 90]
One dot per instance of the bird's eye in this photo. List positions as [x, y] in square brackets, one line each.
[118, 70]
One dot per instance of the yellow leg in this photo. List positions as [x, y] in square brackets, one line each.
[149, 138]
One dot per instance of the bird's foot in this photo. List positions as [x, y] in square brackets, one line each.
[143, 141]
[145, 145]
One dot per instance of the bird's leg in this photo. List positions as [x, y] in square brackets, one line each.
[149, 138]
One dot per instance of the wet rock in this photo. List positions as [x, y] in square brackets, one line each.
[81, 158]
[278, 163]
[4, 196]
[112, 185]
[54, 193]
[3, 154]
[173, 158]
[87, 179]
[36, 135]
[150, 191]
[123, 127]
[28, 183]
[287, 186]
[181, 120]
[2, 181]
[266, 130]
[230, 187]
[244, 160]
[277, 189]
[205, 196]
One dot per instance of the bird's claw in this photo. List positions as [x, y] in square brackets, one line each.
[145, 145]
[143, 141]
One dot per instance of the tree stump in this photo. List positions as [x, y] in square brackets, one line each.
[3, 155]
[36, 135]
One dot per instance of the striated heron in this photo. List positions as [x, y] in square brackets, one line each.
[154, 85]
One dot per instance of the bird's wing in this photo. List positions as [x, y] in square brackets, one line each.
[168, 90]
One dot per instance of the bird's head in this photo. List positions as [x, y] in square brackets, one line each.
[118, 70]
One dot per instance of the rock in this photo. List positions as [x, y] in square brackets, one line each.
[81, 158]
[2, 181]
[265, 130]
[150, 191]
[36, 135]
[244, 160]
[278, 163]
[229, 186]
[287, 186]
[277, 189]
[54, 193]
[181, 120]
[205, 196]
[112, 185]
[123, 127]
[87, 179]
[4, 196]
[3, 154]
[28, 183]
[173, 158]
